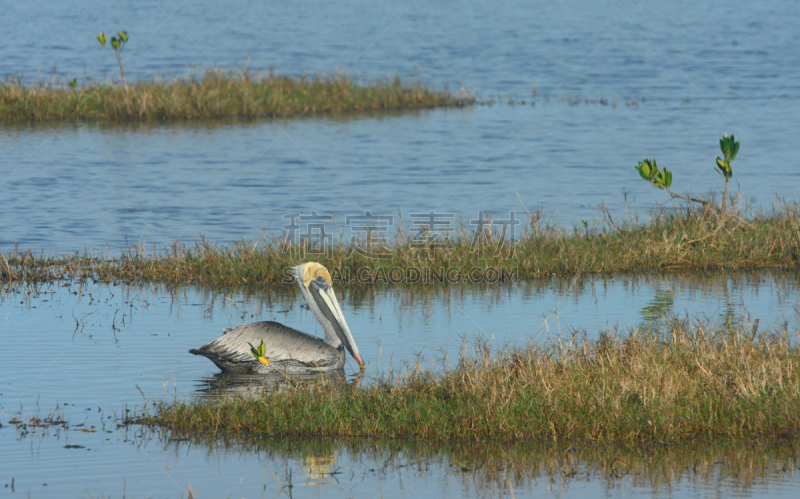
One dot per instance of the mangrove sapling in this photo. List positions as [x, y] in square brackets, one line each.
[729, 148]
[662, 179]
[117, 43]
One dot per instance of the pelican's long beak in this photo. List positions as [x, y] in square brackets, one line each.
[326, 300]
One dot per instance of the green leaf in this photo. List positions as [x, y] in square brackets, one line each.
[257, 352]
[102, 39]
[720, 164]
[73, 83]
[663, 179]
[115, 42]
[735, 149]
[123, 35]
[728, 146]
[644, 169]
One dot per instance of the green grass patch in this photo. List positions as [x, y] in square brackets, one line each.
[218, 94]
[685, 239]
[672, 382]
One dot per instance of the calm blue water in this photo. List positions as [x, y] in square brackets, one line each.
[676, 76]
[56, 339]
[85, 352]
[694, 73]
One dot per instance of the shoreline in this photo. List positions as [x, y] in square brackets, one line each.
[680, 240]
[660, 384]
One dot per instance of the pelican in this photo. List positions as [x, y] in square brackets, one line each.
[286, 349]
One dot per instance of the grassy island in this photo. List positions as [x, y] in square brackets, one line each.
[683, 239]
[218, 94]
[675, 382]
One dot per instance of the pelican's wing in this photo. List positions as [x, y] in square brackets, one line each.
[281, 344]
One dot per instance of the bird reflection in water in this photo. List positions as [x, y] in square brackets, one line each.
[320, 469]
[227, 386]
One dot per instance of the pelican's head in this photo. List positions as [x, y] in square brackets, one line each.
[317, 286]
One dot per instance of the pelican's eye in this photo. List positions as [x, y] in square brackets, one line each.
[321, 280]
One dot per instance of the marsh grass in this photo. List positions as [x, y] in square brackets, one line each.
[673, 382]
[217, 94]
[681, 239]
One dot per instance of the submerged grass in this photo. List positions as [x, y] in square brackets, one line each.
[685, 239]
[217, 94]
[668, 383]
